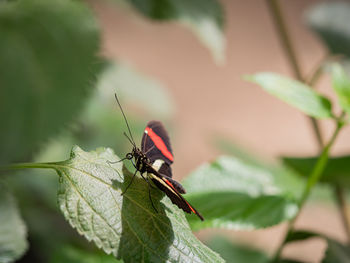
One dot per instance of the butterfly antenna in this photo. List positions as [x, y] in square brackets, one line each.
[129, 139]
[126, 121]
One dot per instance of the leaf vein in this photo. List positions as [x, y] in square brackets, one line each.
[82, 197]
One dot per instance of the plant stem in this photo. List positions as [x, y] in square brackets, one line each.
[27, 165]
[340, 198]
[320, 165]
[312, 180]
[317, 131]
[277, 16]
[317, 72]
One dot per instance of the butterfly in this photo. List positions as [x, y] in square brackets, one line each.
[154, 159]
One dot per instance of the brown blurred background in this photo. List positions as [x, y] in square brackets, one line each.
[212, 99]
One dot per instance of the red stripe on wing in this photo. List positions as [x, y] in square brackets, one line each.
[192, 209]
[170, 184]
[159, 143]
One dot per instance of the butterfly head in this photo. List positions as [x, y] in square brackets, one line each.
[136, 153]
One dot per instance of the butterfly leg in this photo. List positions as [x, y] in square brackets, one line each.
[150, 197]
[127, 157]
[149, 191]
[149, 183]
[110, 162]
[132, 179]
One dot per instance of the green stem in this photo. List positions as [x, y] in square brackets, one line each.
[317, 132]
[277, 15]
[312, 180]
[340, 198]
[317, 72]
[320, 165]
[282, 30]
[16, 166]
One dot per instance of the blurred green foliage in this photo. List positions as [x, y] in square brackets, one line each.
[48, 65]
[235, 252]
[56, 91]
[295, 93]
[204, 17]
[248, 195]
[336, 173]
[13, 232]
[329, 20]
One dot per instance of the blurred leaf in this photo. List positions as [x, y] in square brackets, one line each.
[341, 85]
[336, 252]
[127, 226]
[134, 88]
[47, 69]
[294, 93]
[235, 253]
[285, 179]
[13, 233]
[69, 254]
[337, 170]
[330, 21]
[235, 195]
[300, 235]
[284, 260]
[204, 17]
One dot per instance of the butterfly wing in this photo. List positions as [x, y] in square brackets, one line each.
[170, 188]
[156, 145]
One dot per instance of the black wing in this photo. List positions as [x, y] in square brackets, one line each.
[156, 145]
[170, 189]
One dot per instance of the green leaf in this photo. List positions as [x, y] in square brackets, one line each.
[235, 195]
[300, 235]
[341, 85]
[294, 93]
[235, 253]
[284, 178]
[47, 69]
[13, 233]
[70, 254]
[284, 260]
[127, 226]
[337, 170]
[336, 252]
[330, 21]
[204, 17]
